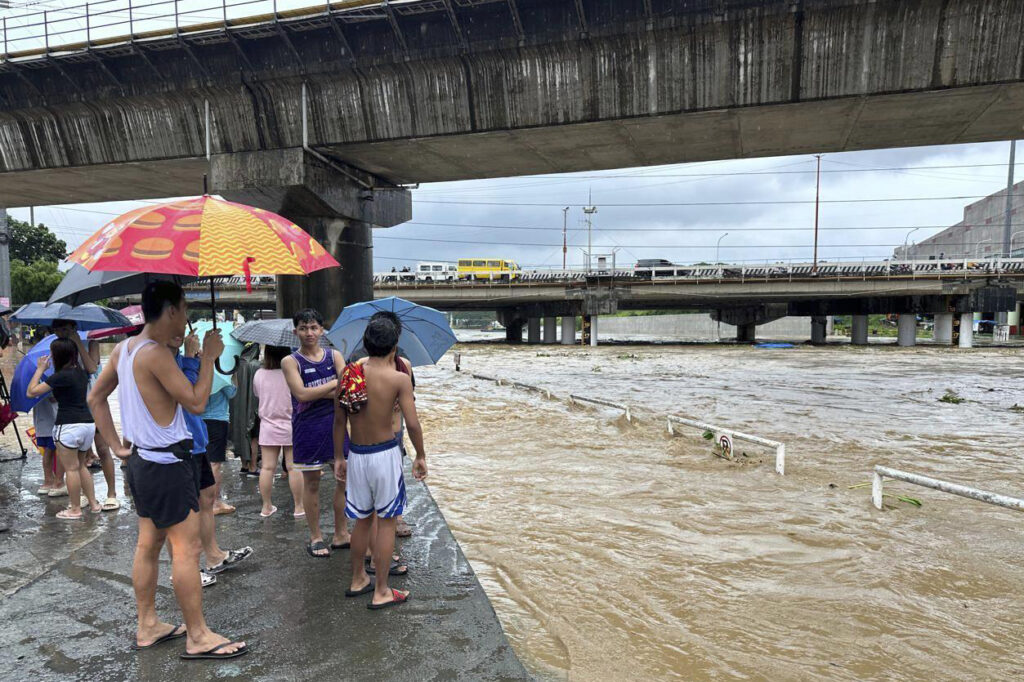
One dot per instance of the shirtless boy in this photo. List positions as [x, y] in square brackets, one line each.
[373, 473]
[161, 474]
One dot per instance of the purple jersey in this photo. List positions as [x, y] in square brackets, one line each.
[313, 422]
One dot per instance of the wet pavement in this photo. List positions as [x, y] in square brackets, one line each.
[68, 608]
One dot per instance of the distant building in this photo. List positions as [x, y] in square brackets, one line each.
[978, 235]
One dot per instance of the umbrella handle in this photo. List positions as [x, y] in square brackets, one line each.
[233, 369]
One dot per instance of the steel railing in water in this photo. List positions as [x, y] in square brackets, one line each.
[27, 31]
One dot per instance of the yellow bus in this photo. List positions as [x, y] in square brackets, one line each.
[488, 269]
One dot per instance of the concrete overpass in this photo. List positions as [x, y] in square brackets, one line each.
[324, 114]
[741, 295]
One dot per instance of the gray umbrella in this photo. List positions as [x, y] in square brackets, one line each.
[271, 333]
[81, 286]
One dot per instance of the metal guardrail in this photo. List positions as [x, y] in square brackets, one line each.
[780, 448]
[29, 32]
[961, 269]
[882, 472]
[573, 399]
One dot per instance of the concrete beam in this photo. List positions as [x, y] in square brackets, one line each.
[819, 329]
[859, 330]
[942, 331]
[906, 331]
[550, 330]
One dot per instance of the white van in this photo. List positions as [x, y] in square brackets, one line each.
[436, 272]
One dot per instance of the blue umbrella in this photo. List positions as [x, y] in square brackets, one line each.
[20, 402]
[426, 335]
[87, 316]
[232, 349]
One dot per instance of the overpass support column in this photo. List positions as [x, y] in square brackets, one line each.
[533, 330]
[906, 332]
[943, 329]
[514, 331]
[550, 330]
[859, 330]
[819, 329]
[746, 333]
[568, 330]
[338, 206]
[966, 330]
[593, 330]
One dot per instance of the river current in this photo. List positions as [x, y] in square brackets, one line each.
[614, 551]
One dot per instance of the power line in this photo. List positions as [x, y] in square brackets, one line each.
[660, 246]
[694, 229]
[710, 203]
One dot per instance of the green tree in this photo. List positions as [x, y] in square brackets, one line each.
[33, 281]
[30, 243]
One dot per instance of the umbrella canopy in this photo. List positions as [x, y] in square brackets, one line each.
[426, 335]
[134, 315]
[203, 237]
[20, 402]
[81, 286]
[232, 349]
[87, 316]
[271, 333]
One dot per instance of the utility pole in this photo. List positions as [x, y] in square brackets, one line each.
[565, 217]
[5, 261]
[817, 200]
[589, 211]
[1007, 225]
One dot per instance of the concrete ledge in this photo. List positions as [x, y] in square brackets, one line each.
[69, 612]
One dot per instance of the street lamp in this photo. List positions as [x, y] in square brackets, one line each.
[718, 245]
[977, 250]
[905, 257]
[1010, 255]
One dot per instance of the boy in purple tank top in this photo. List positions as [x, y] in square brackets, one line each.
[312, 375]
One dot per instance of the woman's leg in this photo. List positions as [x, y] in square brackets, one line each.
[106, 463]
[294, 481]
[48, 471]
[85, 477]
[270, 455]
[72, 475]
[254, 449]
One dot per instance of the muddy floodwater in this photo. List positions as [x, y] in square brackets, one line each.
[613, 551]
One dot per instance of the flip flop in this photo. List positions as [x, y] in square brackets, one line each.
[67, 516]
[111, 504]
[358, 593]
[396, 599]
[212, 653]
[300, 515]
[173, 634]
[344, 545]
[314, 546]
[234, 556]
[273, 510]
[393, 570]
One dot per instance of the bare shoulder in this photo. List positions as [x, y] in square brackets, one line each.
[405, 361]
[287, 361]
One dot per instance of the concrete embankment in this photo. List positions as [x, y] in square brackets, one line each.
[698, 327]
[69, 613]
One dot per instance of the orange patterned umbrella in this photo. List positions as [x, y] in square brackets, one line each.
[203, 237]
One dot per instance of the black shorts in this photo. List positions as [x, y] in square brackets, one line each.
[217, 448]
[164, 493]
[204, 472]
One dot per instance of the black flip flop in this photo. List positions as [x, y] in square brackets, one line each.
[358, 593]
[392, 570]
[212, 653]
[344, 545]
[397, 598]
[314, 546]
[173, 634]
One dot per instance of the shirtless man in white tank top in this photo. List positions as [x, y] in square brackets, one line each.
[161, 471]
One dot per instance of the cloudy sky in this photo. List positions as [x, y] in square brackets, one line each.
[676, 212]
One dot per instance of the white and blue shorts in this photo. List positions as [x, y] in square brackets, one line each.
[75, 436]
[374, 482]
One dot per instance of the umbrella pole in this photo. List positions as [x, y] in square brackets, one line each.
[213, 315]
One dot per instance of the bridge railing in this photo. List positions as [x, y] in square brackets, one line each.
[739, 272]
[31, 32]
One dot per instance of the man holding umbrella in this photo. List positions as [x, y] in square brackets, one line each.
[162, 474]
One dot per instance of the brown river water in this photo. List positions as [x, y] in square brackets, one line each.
[613, 551]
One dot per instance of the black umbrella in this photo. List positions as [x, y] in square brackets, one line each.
[81, 286]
